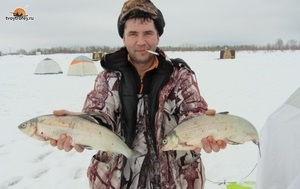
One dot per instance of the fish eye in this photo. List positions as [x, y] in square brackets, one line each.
[23, 125]
[165, 141]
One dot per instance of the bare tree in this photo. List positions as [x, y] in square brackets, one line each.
[279, 44]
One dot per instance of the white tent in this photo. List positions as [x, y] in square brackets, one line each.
[48, 66]
[82, 66]
[279, 166]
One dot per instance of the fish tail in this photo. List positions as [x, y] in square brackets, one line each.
[258, 145]
[259, 150]
[130, 160]
[135, 154]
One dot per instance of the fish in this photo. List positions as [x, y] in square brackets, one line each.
[84, 130]
[230, 128]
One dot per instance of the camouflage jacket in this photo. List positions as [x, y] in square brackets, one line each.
[143, 120]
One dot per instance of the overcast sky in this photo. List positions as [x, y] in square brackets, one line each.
[188, 22]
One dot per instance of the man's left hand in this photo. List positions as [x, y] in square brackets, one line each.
[208, 143]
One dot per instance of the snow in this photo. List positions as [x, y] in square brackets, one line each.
[252, 86]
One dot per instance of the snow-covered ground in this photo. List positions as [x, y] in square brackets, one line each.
[252, 86]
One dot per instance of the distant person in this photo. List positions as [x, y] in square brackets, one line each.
[141, 96]
[279, 164]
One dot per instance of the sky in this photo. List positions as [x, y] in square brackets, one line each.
[71, 23]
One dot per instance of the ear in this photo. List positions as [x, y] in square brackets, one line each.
[123, 40]
[158, 38]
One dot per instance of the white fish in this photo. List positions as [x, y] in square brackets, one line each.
[230, 128]
[83, 129]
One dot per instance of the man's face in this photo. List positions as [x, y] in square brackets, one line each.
[140, 35]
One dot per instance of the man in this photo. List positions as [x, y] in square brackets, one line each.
[278, 166]
[141, 97]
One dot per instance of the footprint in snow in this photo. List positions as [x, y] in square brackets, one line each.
[79, 173]
[11, 182]
[42, 157]
[40, 173]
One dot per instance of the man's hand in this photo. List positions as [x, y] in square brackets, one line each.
[208, 143]
[65, 142]
[210, 112]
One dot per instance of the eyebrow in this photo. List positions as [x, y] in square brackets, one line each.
[147, 31]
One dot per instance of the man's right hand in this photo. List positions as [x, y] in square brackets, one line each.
[65, 142]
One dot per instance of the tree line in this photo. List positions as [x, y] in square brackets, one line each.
[278, 45]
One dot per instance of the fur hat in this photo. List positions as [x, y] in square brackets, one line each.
[140, 8]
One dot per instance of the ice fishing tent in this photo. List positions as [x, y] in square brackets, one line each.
[227, 54]
[48, 66]
[278, 166]
[82, 66]
[96, 56]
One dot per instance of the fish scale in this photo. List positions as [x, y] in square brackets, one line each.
[83, 129]
[230, 128]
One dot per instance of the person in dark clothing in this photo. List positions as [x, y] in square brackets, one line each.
[142, 96]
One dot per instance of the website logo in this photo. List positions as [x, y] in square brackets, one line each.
[19, 14]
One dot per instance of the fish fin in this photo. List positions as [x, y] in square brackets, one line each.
[100, 120]
[88, 117]
[232, 142]
[183, 146]
[86, 147]
[188, 145]
[258, 145]
[224, 113]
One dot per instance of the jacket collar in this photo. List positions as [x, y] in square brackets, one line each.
[113, 61]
